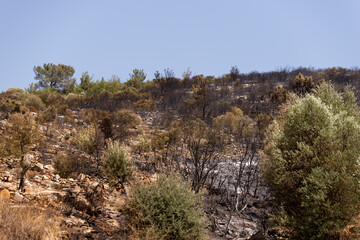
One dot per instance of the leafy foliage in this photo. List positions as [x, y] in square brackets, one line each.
[8, 106]
[85, 81]
[125, 123]
[34, 101]
[89, 140]
[21, 132]
[68, 164]
[55, 77]
[302, 85]
[168, 209]
[311, 163]
[136, 78]
[117, 162]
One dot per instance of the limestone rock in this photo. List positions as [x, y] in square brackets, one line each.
[49, 168]
[81, 177]
[38, 167]
[18, 197]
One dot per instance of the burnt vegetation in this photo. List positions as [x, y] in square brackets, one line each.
[203, 131]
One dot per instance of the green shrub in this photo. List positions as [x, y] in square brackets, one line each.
[89, 140]
[34, 101]
[105, 126]
[68, 164]
[311, 163]
[48, 115]
[54, 99]
[69, 116]
[8, 106]
[74, 100]
[143, 145]
[117, 162]
[166, 210]
[16, 94]
[61, 109]
[125, 123]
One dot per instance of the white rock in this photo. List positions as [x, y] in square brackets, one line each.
[40, 166]
[93, 184]
[18, 197]
[81, 177]
[49, 167]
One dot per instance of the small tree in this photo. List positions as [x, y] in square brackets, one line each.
[21, 132]
[198, 105]
[136, 78]
[117, 162]
[311, 163]
[234, 73]
[241, 135]
[85, 81]
[55, 77]
[204, 146]
[105, 126]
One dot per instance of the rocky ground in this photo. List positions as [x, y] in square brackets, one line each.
[88, 208]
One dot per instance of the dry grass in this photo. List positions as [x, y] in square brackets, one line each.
[352, 232]
[26, 222]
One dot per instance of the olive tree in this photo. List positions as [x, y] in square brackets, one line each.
[311, 163]
[21, 133]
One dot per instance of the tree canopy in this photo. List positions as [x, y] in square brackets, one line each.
[311, 163]
[55, 77]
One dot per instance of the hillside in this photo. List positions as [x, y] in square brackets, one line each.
[57, 137]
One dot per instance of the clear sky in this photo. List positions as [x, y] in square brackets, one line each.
[112, 37]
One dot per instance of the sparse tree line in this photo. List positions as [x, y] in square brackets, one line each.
[291, 131]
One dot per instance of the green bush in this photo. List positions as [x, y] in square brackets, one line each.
[8, 106]
[48, 115]
[166, 210]
[53, 99]
[117, 162]
[68, 164]
[69, 116]
[16, 94]
[34, 101]
[89, 140]
[125, 123]
[311, 163]
[105, 126]
[143, 145]
[74, 100]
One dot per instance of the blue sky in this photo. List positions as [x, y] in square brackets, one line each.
[112, 37]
